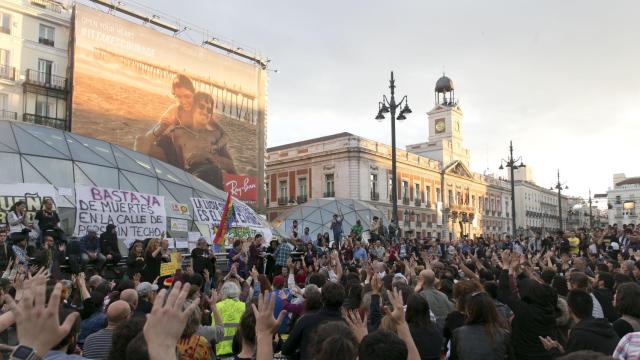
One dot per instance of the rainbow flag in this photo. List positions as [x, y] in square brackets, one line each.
[228, 216]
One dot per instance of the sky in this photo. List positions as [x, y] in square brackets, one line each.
[559, 78]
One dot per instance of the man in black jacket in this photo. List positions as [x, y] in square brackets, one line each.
[302, 335]
[588, 334]
[604, 294]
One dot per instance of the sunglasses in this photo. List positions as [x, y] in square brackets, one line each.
[206, 107]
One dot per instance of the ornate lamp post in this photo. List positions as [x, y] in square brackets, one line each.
[389, 105]
[559, 186]
[513, 165]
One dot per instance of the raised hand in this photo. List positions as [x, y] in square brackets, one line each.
[167, 320]
[395, 298]
[266, 324]
[356, 324]
[38, 325]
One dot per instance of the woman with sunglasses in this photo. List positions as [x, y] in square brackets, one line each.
[202, 149]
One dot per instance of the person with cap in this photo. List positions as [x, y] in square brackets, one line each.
[230, 309]
[146, 296]
[98, 344]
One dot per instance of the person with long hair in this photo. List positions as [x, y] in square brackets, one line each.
[484, 335]
[109, 245]
[627, 304]
[153, 260]
[17, 219]
[47, 221]
[456, 318]
[426, 335]
[135, 260]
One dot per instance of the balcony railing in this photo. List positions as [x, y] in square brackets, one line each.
[7, 72]
[49, 5]
[417, 202]
[375, 196]
[301, 199]
[418, 223]
[329, 194]
[46, 121]
[405, 201]
[8, 115]
[5, 29]
[46, 79]
[283, 201]
[45, 41]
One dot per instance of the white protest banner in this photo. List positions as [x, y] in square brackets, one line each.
[245, 216]
[32, 194]
[136, 215]
[207, 211]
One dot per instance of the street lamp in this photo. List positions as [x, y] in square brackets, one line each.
[590, 214]
[389, 105]
[513, 165]
[559, 186]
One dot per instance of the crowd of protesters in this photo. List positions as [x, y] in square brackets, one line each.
[572, 295]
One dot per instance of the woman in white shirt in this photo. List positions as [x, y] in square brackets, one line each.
[17, 218]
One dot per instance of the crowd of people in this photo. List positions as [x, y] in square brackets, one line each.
[572, 295]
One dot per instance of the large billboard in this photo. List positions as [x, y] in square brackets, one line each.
[189, 106]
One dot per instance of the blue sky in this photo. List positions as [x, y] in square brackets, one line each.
[559, 78]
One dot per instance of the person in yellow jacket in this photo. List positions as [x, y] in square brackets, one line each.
[231, 310]
[574, 244]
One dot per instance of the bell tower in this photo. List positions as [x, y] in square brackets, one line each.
[445, 141]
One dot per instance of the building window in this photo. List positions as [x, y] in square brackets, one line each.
[302, 190]
[405, 192]
[5, 23]
[417, 196]
[6, 71]
[473, 201]
[283, 190]
[45, 70]
[268, 192]
[451, 202]
[427, 195]
[438, 195]
[47, 35]
[373, 186]
[390, 187]
[329, 186]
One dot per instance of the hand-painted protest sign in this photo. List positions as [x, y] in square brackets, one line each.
[207, 211]
[136, 215]
[169, 268]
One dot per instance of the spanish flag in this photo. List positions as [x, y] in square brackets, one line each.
[228, 216]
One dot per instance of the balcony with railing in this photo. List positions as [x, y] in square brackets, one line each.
[418, 223]
[405, 201]
[45, 120]
[375, 196]
[49, 5]
[5, 30]
[45, 79]
[417, 202]
[8, 115]
[45, 41]
[7, 72]
[329, 194]
[283, 200]
[301, 199]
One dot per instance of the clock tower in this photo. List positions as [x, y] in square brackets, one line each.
[445, 137]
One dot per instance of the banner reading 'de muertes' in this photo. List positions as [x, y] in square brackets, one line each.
[136, 215]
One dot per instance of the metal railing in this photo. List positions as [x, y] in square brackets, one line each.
[45, 41]
[405, 201]
[283, 201]
[49, 5]
[45, 120]
[46, 79]
[6, 30]
[329, 194]
[301, 199]
[7, 72]
[8, 115]
[417, 202]
[375, 196]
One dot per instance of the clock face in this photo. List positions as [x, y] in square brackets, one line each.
[439, 126]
